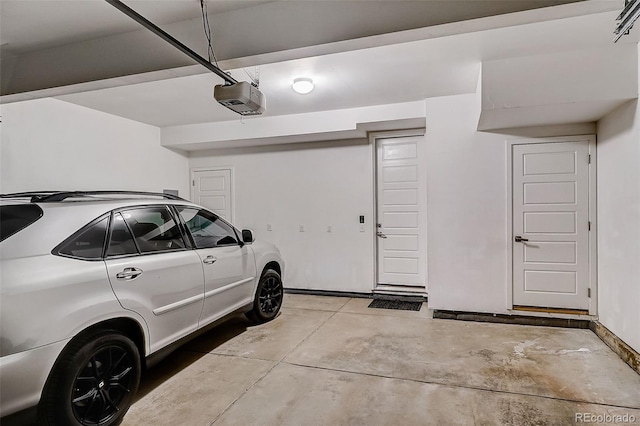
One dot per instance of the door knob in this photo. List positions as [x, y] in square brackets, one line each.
[519, 239]
[381, 235]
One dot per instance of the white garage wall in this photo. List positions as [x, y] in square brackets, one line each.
[466, 208]
[49, 144]
[619, 222]
[314, 185]
[331, 184]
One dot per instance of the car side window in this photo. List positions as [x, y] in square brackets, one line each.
[207, 229]
[14, 219]
[121, 241]
[154, 229]
[88, 243]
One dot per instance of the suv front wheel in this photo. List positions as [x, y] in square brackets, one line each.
[93, 382]
[268, 298]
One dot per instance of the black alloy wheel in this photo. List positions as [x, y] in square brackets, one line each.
[93, 382]
[268, 298]
[102, 385]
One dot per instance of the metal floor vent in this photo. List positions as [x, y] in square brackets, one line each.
[395, 304]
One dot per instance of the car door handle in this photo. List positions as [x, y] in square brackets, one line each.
[519, 239]
[128, 273]
[381, 235]
[210, 260]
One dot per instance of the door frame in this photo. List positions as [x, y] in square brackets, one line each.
[373, 138]
[192, 187]
[593, 249]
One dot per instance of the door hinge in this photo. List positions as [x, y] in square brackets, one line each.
[589, 225]
[193, 183]
[589, 292]
[589, 159]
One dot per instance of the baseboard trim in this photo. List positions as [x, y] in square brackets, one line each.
[624, 351]
[511, 319]
[402, 298]
[328, 293]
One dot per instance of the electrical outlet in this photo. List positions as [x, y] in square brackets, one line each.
[269, 227]
[361, 228]
[301, 228]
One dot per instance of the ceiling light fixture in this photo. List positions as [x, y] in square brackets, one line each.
[302, 85]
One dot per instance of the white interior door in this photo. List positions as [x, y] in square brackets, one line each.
[212, 189]
[401, 212]
[551, 225]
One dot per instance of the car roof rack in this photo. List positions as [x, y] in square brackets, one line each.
[27, 194]
[56, 196]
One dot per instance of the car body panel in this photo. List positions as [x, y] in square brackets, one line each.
[46, 298]
[266, 253]
[167, 294]
[229, 281]
[24, 374]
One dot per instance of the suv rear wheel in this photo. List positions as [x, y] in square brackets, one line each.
[268, 298]
[93, 382]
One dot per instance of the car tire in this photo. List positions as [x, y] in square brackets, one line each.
[93, 382]
[268, 299]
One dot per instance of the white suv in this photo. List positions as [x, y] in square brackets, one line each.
[98, 285]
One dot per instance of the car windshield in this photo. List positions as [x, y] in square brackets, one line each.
[14, 218]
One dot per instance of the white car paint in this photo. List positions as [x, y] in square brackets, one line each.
[47, 299]
[170, 311]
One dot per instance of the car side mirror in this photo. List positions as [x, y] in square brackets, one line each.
[247, 236]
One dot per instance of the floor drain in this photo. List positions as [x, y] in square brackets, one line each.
[395, 304]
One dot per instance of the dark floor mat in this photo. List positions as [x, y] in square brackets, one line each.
[395, 304]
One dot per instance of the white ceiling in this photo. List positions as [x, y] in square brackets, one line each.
[380, 75]
[389, 74]
[29, 25]
[57, 43]
[379, 69]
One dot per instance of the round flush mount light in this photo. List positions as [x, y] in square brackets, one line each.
[302, 85]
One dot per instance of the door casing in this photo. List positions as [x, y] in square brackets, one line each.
[591, 140]
[373, 137]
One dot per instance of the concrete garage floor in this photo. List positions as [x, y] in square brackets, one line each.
[333, 361]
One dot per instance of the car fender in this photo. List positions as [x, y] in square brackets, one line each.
[265, 253]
